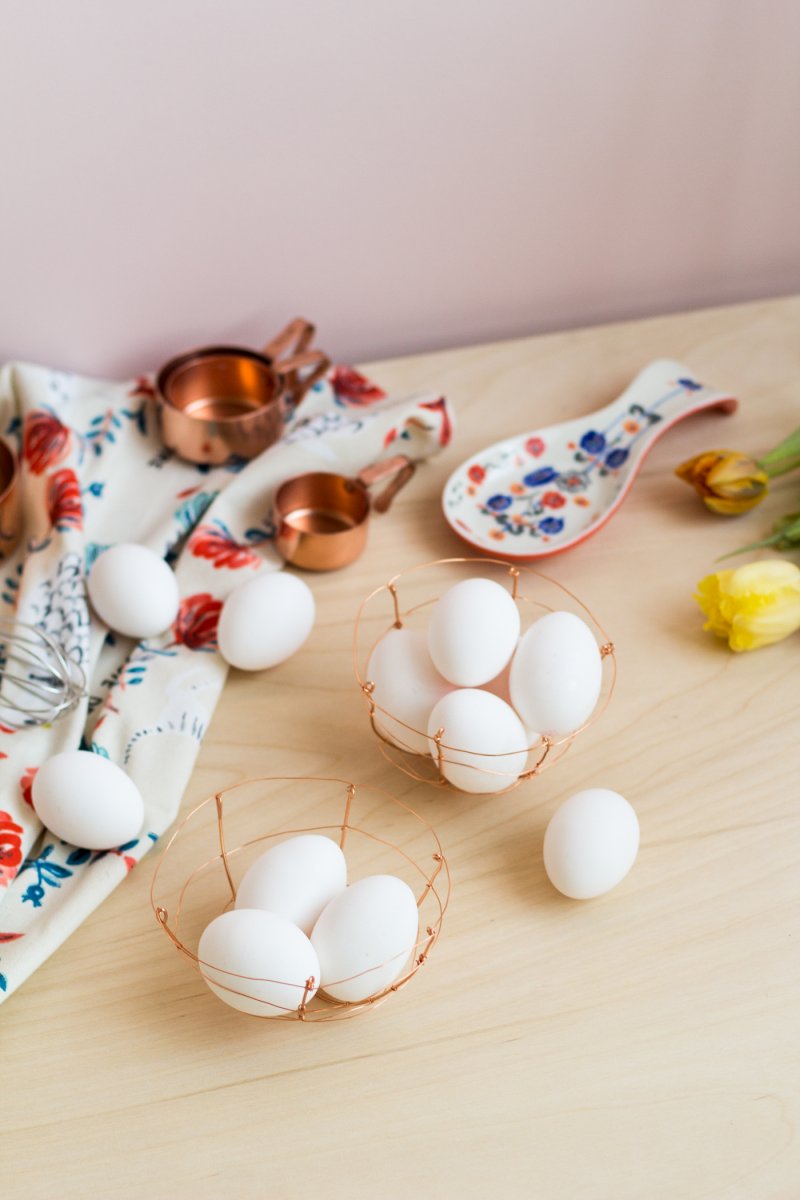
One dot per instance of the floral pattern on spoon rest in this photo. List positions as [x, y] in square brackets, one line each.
[544, 491]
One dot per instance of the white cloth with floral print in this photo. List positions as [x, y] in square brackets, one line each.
[94, 473]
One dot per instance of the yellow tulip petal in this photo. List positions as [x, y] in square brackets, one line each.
[728, 481]
[763, 576]
[754, 605]
[727, 506]
[735, 472]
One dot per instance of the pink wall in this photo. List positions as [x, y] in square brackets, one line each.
[409, 174]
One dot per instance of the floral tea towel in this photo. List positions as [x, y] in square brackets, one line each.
[95, 473]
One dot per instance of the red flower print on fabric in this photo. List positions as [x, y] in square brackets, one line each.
[553, 500]
[45, 440]
[142, 387]
[64, 503]
[535, 446]
[196, 623]
[26, 784]
[10, 848]
[215, 543]
[354, 388]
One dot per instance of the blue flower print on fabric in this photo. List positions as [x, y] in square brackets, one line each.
[48, 874]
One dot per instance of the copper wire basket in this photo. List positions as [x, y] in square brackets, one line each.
[405, 602]
[195, 879]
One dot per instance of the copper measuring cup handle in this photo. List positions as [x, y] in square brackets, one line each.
[294, 341]
[298, 335]
[401, 467]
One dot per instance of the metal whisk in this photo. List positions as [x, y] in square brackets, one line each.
[38, 681]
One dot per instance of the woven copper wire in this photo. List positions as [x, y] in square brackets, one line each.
[424, 768]
[432, 900]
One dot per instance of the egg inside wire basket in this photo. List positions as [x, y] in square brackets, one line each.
[195, 885]
[478, 674]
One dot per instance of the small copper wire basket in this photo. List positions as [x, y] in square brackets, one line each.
[405, 602]
[195, 879]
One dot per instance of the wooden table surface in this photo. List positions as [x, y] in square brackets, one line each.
[643, 1046]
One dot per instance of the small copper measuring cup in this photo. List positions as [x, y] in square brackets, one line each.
[226, 401]
[10, 510]
[321, 518]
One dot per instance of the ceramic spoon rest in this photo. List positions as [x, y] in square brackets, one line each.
[544, 491]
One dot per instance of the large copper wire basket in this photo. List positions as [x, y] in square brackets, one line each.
[406, 602]
[197, 876]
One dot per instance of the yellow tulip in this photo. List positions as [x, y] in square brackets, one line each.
[754, 605]
[728, 482]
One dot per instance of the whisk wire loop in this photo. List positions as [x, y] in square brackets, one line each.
[39, 681]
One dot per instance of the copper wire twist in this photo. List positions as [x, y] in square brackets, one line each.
[429, 769]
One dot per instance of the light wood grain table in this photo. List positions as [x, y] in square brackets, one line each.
[644, 1046]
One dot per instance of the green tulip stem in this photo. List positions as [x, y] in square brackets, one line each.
[785, 537]
[782, 466]
[788, 448]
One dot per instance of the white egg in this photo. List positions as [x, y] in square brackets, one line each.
[484, 744]
[133, 591]
[472, 632]
[365, 937]
[556, 674]
[590, 843]
[407, 685]
[295, 879]
[87, 800]
[257, 962]
[265, 621]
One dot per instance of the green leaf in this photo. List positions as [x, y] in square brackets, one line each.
[780, 466]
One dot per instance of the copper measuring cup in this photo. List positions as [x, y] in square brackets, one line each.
[10, 511]
[321, 518]
[226, 401]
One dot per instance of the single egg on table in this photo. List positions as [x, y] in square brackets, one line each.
[258, 962]
[87, 800]
[365, 937]
[591, 843]
[265, 621]
[407, 685]
[484, 744]
[472, 632]
[556, 674]
[133, 591]
[295, 879]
